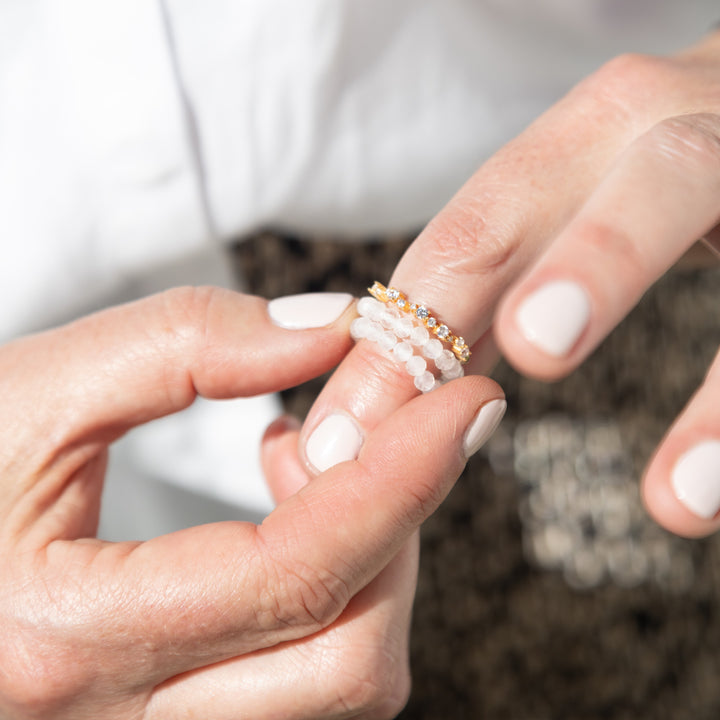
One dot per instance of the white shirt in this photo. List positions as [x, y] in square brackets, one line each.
[138, 135]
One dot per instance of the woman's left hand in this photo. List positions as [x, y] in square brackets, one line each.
[551, 243]
[304, 616]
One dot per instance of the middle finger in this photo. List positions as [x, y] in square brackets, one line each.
[497, 224]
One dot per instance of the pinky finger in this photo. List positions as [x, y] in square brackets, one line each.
[681, 487]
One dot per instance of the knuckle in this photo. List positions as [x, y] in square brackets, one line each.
[630, 68]
[417, 503]
[297, 596]
[624, 90]
[185, 313]
[315, 599]
[466, 241]
[184, 329]
[627, 75]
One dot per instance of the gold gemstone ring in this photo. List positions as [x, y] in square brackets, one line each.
[420, 312]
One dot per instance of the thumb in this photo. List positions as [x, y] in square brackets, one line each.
[203, 595]
[294, 574]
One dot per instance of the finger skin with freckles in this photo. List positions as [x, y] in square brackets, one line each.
[557, 236]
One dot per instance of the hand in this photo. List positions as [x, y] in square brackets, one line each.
[554, 240]
[305, 616]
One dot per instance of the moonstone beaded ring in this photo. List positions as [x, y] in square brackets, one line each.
[400, 332]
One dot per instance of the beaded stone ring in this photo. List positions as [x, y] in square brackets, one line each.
[400, 337]
[435, 326]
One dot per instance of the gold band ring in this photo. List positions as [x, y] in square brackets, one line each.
[420, 312]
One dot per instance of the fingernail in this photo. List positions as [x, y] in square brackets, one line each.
[336, 439]
[312, 310]
[483, 426]
[696, 479]
[553, 317]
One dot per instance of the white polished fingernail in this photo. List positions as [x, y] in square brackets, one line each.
[312, 310]
[695, 479]
[483, 426]
[554, 316]
[336, 439]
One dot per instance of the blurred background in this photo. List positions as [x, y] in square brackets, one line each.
[545, 591]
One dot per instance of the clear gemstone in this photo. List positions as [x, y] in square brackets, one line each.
[393, 294]
[422, 312]
[401, 303]
[431, 322]
[465, 353]
[443, 331]
[377, 290]
[460, 342]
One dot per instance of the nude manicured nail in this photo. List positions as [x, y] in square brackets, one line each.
[336, 439]
[695, 479]
[554, 316]
[483, 426]
[312, 310]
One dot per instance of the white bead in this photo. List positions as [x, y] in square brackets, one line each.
[386, 318]
[416, 365]
[454, 371]
[404, 326]
[419, 335]
[445, 360]
[366, 305]
[359, 328]
[403, 351]
[387, 340]
[432, 349]
[425, 382]
[376, 309]
[375, 330]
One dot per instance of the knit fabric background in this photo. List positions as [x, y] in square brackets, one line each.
[498, 634]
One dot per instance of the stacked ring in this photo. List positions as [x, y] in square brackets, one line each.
[419, 311]
[399, 336]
